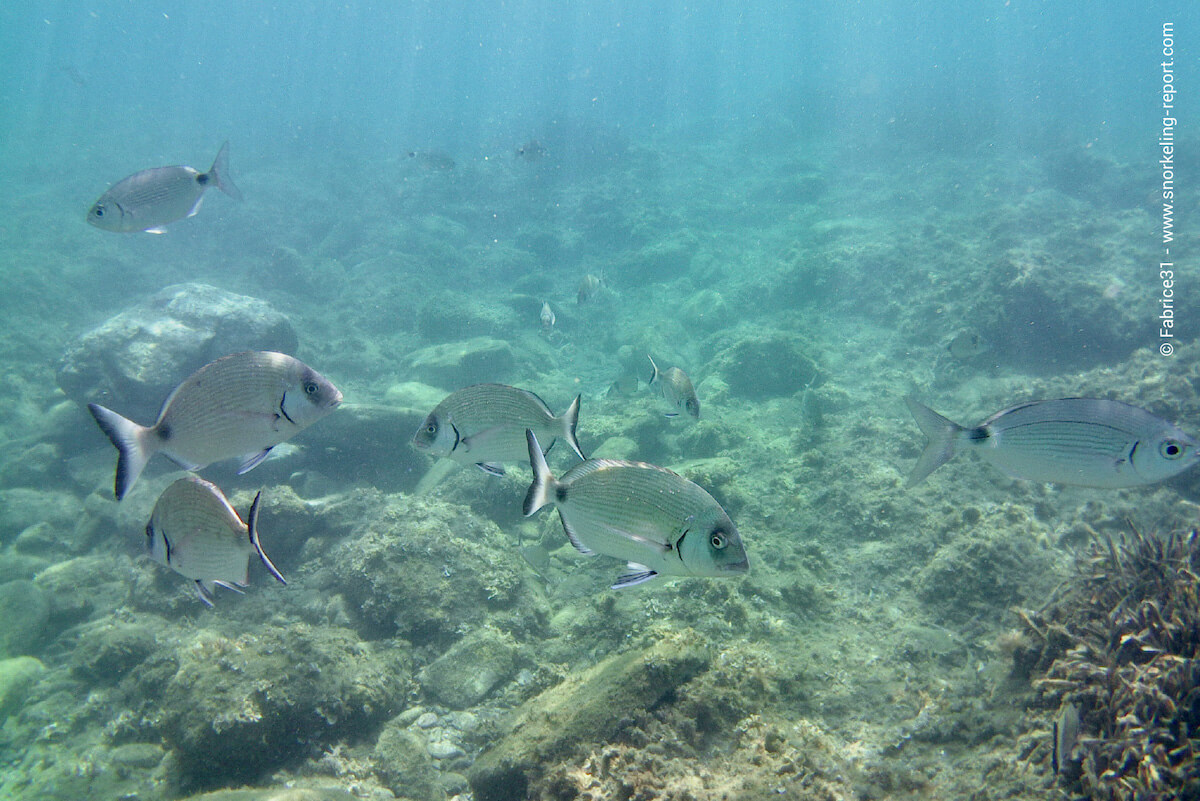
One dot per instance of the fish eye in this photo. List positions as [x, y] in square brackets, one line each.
[98, 211]
[310, 387]
[717, 540]
[432, 428]
[1171, 449]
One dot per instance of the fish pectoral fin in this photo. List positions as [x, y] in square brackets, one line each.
[196, 207]
[205, 590]
[158, 229]
[639, 574]
[230, 585]
[670, 414]
[491, 468]
[253, 460]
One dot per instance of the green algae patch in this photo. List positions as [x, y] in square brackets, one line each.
[16, 677]
[275, 794]
[586, 709]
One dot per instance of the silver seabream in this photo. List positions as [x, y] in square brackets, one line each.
[1087, 442]
[676, 389]
[241, 405]
[194, 531]
[484, 425]
[656, 520]
[150, 199]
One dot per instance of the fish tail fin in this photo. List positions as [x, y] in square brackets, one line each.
[942, 434]
[570, 420]
[132, 443]
[654, 370]
[542, 489]
[219, 173]
[252, 531]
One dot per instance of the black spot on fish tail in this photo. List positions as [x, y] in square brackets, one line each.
[164, 431]
[203, 179]
[283, 411]
[560, 494]
[981, 432]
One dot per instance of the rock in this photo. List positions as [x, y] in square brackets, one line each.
[25, 610]
[403, 762]
[138, 755]
[16, 677]
[133, 361]
[469, 671]
[21, 508]
[276, 794]
[107, 651]
[76, 588]
[459, 364]
[765, 365]
[586, 708]
[444, 749]
[237, 710]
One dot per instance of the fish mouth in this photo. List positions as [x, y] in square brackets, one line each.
[737, 567]
[337, 399]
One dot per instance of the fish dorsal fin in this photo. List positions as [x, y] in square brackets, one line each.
[491, 468]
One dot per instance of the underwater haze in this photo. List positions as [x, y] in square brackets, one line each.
[767, 245]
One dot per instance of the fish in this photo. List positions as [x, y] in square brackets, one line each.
[966, 345]
[151, 199]
[624, 386]
[194, 531]
[676, 389]
[1066, 737]
[239, 405]
[484, 425]
[532, 150]
[658, 521]
[1085, 442]
[589, 286]
[547, 316]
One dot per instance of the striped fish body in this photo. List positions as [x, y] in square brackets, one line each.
[676, 389]
[195, 531]
[238, 406]
[1085, 442]
[485, 424]
[150, 199]
[657, 520]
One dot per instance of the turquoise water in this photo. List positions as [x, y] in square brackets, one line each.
[803, 206]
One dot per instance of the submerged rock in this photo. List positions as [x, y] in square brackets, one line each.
[132, 361]
[471, 669]
[276, 794]
[458, 364]
[587, 708]
[16, 677]
[403, 762]
[238, 709]
[765, 365]
[25, 610]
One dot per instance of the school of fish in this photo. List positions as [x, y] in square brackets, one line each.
[658, 522]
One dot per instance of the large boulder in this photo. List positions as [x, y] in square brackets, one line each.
[134, 360]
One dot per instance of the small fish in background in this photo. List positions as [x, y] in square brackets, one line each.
[656, 520]
[151, 199]
[1086, 442]
[966, 345]
[74, 76]
[484, 425]
[625, 386]
[547, 317]
[676, 389]
[1066, 737]
[194, 531]
[240, 405]
[432, 160]
[589, 287]
[533, 150]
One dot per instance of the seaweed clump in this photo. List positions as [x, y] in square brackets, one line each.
[1118, 654]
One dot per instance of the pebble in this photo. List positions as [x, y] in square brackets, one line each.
[444, 749]
[427, 721]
